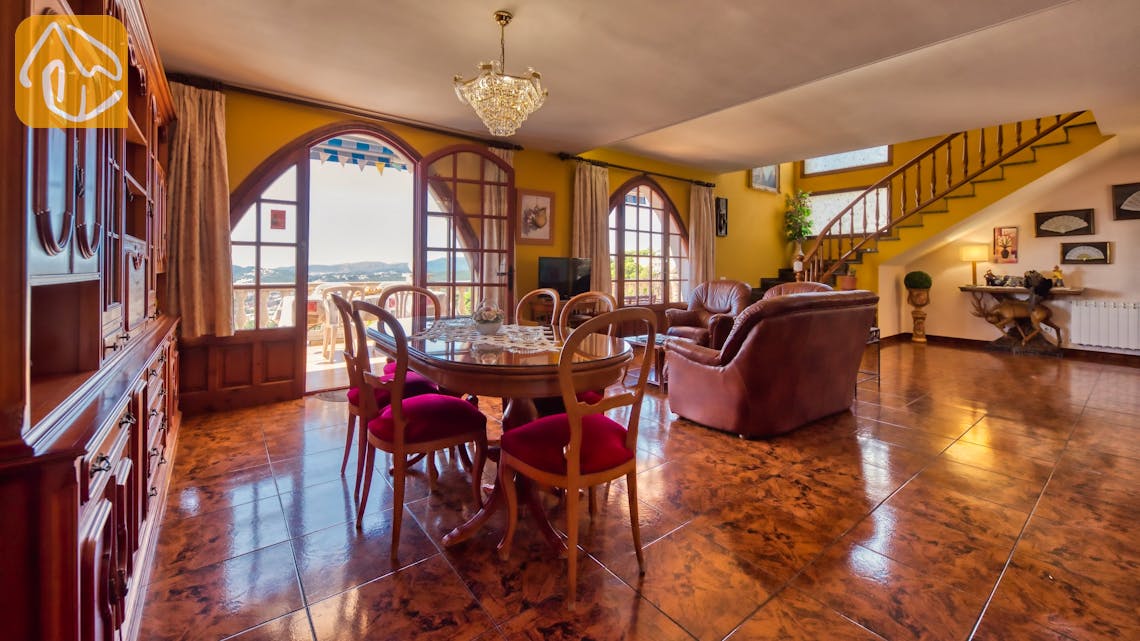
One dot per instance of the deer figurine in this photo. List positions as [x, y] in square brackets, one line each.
[1007, 313]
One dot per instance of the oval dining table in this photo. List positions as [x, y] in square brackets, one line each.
[517, 372]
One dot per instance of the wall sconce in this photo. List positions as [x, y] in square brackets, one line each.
[974, 254]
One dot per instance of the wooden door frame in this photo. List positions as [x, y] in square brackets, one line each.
[208, 351]
[419, 228]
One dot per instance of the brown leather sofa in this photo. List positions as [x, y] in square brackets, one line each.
[713, 307]
[798, 287]
[788, 361]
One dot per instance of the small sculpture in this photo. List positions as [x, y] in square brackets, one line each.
[991, 278]
[1058, 276]
[798, 266]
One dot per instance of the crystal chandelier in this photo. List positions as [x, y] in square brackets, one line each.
[501, 101]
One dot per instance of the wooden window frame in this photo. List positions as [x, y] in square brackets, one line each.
[672, 225]
[802, 164]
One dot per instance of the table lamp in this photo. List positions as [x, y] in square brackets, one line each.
[972, 254]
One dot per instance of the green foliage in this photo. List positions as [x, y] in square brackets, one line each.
[797, 217]
[917, 280]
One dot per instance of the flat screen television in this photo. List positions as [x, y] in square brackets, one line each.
[568, 276]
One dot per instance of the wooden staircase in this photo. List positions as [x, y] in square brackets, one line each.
[948, 182]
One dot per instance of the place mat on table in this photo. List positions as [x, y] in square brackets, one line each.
[518, 339]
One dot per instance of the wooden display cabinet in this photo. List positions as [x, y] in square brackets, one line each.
[89, 408]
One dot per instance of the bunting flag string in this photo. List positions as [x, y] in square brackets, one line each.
[358, 151]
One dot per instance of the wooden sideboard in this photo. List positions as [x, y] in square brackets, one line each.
[89, 395]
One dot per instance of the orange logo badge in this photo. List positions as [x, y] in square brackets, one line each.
[71, 72]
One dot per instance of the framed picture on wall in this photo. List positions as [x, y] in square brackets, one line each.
[535, 224]
[766, 178]
[1126, 201]
[1005, 244]
[1074, 222]
[1098, 253]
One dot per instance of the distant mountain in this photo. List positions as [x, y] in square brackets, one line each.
[437, 270]
[366, 266]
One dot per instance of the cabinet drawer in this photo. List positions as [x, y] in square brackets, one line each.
[106, 452]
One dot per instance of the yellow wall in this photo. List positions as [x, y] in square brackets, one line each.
[256, 127]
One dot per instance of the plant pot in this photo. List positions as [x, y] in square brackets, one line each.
[919, 298]
[845, 281]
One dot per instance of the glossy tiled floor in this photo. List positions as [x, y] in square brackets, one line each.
[975, 495]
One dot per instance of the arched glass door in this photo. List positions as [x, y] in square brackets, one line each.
[465, 228]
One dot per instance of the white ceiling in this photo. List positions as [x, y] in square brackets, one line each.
[720, 84]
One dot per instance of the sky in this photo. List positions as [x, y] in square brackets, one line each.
[359, 215]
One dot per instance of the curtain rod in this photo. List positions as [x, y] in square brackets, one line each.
[601, 163]
[218, 85]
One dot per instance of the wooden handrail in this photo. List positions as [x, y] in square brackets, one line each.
[839, 240]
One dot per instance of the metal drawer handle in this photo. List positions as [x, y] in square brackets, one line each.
[102, 464]
[128, 419]
[153, 412]
[154, 451]
[153, 491]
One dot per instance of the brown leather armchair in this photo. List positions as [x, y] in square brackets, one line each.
[712, 308]
[788, 361]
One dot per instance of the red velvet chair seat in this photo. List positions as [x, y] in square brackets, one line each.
[429, 417]
[540, 443]
[414, 385]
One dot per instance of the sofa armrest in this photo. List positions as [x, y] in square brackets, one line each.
[720, 326]
[689, 350]
[682, 318]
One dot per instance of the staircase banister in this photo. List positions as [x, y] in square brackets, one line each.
[813, 257]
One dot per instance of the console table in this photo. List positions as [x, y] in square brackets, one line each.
[1019, 318]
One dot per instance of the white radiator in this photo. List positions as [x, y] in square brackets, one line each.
[1106, 323]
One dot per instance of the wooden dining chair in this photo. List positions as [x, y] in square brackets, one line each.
[410, 425]
[357, 363]
[582, 306]
[524, 310]
[582, 447]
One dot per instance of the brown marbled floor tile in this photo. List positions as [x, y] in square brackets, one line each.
[1025, 429]
[203, 461]
[962, 512]
[768, 537]
[532, 574]
[964, 560]
[822, 508]
[1095, 416]
[905, 437]
[1110, 438]
[1105, 556]
[681, 489]
[188, 497]
[793, 616]
[222, 599]
[1003, 489]
[1001, 461]
[423, 601]
[1005, 626]
[1096, 486]
[319, 506]
[858, 582]
[341, 557]
[869, 394]
[1070, 604]
[705, 588]
[294, 626]
[283, 445]
[1093, 462]
[607, 609]
[993, 433]
[299, 472]
[1079, 510]
[215, 536]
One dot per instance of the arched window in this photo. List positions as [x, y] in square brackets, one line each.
[649, 248]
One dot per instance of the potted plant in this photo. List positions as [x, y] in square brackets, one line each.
[797, 219]
[918, 294]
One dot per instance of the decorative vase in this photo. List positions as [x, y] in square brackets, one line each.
[488, 317]
[919, 298]
[488, 328]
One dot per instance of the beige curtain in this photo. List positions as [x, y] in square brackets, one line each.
[198, 203]
[702, 229]
[591, 237]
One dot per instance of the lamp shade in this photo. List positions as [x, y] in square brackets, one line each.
[974, 253]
